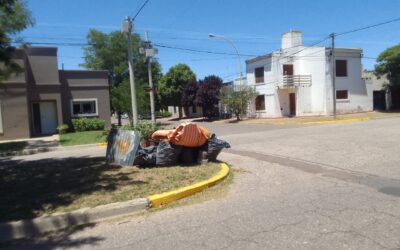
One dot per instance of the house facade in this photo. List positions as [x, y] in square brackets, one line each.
[382, 95]
[37, 100]
[297, 80]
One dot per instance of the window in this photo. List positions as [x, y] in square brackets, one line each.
[341, 68]
[259, 74]
[194, 109]
[1, 120]
[260, 102]
[84, 107]
[342, 94]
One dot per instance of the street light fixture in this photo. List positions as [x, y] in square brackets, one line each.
[211, 35]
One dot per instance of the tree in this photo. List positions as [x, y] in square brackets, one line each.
[189, 94]
[109, 52]
[208, 94]
[389, 65]
[14, 17]
[237, 100]
[171, 85]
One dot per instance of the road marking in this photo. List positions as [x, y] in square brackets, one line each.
[336, 121]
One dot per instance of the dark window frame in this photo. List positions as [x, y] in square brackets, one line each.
[93, 102]
[341, 68]
[260, 104]
[259, 74]
[342, 94]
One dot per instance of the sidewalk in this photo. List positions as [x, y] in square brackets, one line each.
[29, 145]
[307, 120]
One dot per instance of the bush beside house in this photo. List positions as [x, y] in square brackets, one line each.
[88, 124]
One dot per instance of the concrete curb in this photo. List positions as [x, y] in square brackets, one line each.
[54, 222]
[168, 197]
[48, 149]
[337, 121]
[37, 226]
[27, 152]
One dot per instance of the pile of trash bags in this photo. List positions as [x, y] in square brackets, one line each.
[187, 144]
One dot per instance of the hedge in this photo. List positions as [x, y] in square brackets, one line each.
[88, 124]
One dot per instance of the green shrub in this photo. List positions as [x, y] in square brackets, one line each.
[145, 129]
[163, 114]
[88, 124]
[62, 129]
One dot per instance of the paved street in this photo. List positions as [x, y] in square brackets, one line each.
[306, 187]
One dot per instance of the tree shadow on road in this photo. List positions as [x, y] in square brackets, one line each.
[62, 239]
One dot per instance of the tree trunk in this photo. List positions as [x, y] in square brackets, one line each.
[237, 116]
[180, 112]
[119, 114]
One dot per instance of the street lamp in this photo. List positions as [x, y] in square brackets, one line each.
[127, 28]
[211, 35]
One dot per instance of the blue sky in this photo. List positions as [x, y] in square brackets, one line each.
[254, 26]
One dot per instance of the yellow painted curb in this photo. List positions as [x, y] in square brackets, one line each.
[157, 200]
[337, 121]
[103, 144]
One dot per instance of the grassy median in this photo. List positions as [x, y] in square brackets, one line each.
[86, 137]
[35, 188]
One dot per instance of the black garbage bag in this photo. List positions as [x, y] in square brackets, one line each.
[215, 146]
[189, 155]
[146, 157]
[167, 154]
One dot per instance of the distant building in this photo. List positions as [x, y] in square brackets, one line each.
[297, 80]
[236, 82]
[382, 95]
[223, 109]
[34, 102]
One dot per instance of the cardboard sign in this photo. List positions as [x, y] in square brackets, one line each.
[122, 147]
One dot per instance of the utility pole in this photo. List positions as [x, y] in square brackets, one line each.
[148, 50]
[127, 28]
[333, 75]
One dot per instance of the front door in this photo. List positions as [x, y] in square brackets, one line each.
[44, 118]
[292, 103]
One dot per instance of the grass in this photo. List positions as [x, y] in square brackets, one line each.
[13, 146]
[301, 120]
[86, 137]
[53, 185]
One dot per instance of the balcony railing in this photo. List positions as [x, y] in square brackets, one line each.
[293, 81]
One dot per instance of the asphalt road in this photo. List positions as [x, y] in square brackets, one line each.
[309, 187]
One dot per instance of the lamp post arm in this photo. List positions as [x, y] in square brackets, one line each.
[238, 57]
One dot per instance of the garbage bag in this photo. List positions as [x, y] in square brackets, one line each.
[189, 155]
[186, 134]
[146, 157]
[167, 154]
[215, 146]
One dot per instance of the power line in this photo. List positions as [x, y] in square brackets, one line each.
[156, 45]
[368, 27]
[307, 47]
[141, 8]
[200, 51]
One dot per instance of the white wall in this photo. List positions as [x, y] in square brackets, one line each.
[311, 100]
[359, 93]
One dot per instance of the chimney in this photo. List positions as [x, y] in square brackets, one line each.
[291, 39]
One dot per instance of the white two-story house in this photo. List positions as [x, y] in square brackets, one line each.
[297, 80]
